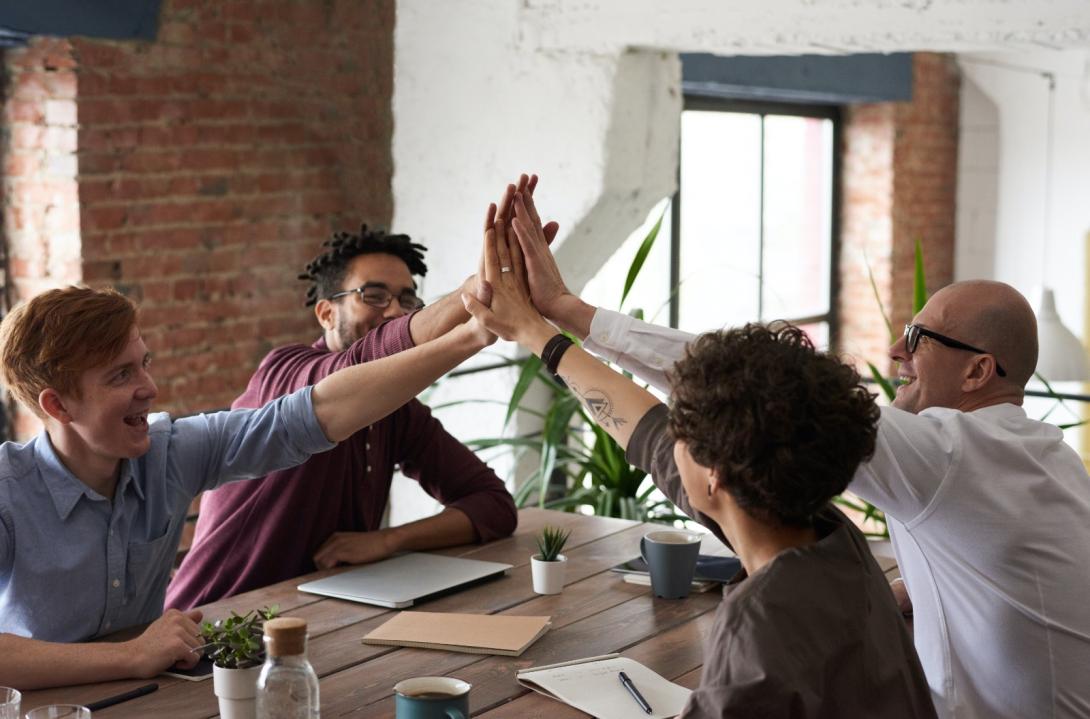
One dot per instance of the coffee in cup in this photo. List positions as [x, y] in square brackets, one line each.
[432, 698]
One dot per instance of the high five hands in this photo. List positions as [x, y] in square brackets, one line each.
[531, 287]
[511, 313]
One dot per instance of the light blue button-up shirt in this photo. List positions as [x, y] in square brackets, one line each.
[74, 565]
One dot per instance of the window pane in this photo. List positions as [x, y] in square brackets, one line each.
[720, 219]
[798, 216]
[818, 332]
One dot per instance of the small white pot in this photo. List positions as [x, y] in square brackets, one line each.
[548, 576]
[236, 690]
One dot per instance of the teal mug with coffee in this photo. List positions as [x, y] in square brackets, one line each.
[671, 556]
[432, 698]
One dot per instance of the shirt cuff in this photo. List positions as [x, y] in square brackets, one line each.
[607, 328]
[299, 417]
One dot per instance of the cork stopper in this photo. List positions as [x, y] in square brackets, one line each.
[286, 636]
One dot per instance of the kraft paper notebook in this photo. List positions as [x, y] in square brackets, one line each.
[474, 633]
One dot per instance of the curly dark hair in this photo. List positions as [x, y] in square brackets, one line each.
[327, 270]
[783, 425]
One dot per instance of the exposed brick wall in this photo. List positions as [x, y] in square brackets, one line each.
[39, 189]
[899, 184]
[214, 160]
[925, 167]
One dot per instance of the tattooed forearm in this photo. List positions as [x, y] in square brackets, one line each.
[597, 402]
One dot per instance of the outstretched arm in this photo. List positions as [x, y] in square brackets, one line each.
[353, 397]
[33, 664]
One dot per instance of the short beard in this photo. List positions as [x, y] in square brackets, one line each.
[345, 333]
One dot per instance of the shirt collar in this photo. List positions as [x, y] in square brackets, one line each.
[65, 488]
[1000, 411]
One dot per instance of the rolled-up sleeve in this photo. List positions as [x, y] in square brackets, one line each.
[646, 350]
[651, 448]
[213, 449]
[448, 471]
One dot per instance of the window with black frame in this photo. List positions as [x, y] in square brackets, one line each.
[754, 220]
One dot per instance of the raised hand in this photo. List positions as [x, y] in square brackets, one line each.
[548, 291]
[512, 315]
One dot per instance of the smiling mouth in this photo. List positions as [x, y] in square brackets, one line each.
[139, 421]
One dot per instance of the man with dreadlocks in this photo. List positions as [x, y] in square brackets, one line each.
[328, 510]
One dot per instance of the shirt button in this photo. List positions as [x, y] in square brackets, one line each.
[367, 445]
[106, 625]
[368, 468]
[117, 583]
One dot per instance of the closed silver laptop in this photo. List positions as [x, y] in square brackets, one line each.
[403, 580]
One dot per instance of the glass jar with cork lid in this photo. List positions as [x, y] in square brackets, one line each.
[287, 687]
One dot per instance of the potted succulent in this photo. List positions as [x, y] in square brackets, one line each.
[237, 653]
[548, 564]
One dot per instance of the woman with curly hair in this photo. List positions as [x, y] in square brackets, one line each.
[762, 433]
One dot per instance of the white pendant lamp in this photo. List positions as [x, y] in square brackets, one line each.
[1061, 357]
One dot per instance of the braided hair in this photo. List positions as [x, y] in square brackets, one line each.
[327, 270]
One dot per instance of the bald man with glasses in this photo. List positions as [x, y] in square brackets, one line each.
[989, 510]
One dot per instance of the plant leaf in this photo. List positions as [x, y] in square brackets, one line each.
[529, 371]
[919, 284]
[885, 384]
[878, 297]
[641, 256]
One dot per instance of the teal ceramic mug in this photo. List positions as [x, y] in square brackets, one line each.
[432, 698]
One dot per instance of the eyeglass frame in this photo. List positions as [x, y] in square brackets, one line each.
[912, 341]
[418, 304]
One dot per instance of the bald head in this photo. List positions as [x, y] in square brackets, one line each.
[995, 317]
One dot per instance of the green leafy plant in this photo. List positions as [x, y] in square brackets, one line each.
[550, 543]
[236, 642]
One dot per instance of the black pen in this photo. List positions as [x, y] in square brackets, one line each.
[635, 693]
[110, 701]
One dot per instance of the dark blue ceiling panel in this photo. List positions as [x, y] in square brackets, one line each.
[811, 79]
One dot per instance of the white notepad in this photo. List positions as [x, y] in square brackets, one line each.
[593, 685]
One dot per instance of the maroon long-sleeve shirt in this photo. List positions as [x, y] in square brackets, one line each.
[250, 534]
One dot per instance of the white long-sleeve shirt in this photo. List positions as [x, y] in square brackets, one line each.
[989, 514]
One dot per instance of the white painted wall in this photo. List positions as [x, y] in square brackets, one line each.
[587, 94]
[1002, 175]
[1003, 217]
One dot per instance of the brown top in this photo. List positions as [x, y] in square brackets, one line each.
[814, 633]
[287, 636]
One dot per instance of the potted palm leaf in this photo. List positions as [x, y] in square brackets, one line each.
[237, 653]
[548, 564]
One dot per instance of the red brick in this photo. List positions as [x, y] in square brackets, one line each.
[105, 217]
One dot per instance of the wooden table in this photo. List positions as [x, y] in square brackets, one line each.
[597, 613]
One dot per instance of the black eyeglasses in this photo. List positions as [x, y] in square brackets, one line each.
[379, 296]
[913, 333]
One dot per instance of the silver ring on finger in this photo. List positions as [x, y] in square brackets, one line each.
[505, 269]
